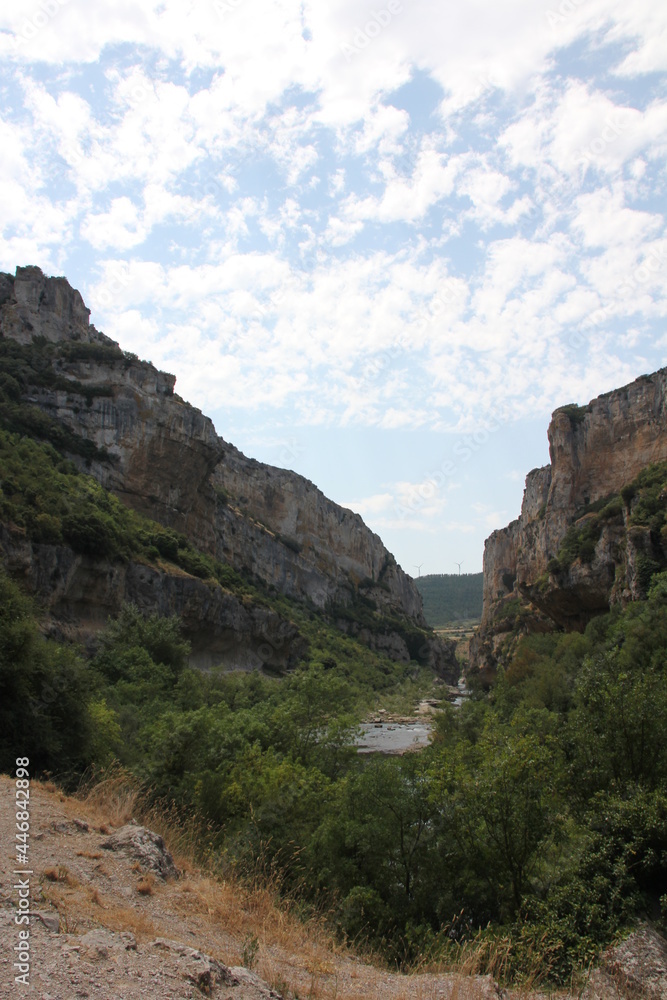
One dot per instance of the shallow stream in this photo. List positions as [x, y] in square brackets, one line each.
[393, 737]
[397, 737]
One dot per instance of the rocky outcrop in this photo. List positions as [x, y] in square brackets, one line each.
[163, 458]
[35, 306]
[79, 593]
[595, 452]
[144, 846]
[635, 967]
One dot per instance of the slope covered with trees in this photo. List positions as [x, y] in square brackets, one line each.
[535, 823]
[451, 597]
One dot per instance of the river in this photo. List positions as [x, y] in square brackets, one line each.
[395, 737]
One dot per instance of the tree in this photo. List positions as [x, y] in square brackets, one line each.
[44, 692]
[619, 727]
[498, 800]
[157, 636]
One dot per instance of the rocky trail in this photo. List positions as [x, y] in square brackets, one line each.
[113, 915]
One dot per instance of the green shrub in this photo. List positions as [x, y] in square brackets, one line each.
[91, 532]
[80, 351]
[575, 413]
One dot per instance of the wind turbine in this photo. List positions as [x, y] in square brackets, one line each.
[459, 564]
[419, 568]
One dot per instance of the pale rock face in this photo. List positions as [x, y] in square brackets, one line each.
[36, 306]
[168, 462]
[595, 451]
[329, 546]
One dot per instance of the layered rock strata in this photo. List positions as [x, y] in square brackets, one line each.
[79, 593]
[595, 452]
[162, 457]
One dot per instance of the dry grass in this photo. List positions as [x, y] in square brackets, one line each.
[146, 885]
[111, 798]
[95, 897]
[119, 918]
[84, 907]
[297, 959]
[496, 957]
[115, 798]
[59, 874]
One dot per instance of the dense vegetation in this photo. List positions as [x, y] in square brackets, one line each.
[450, 597]
[539, 811]
[538, 814]
[45, 495]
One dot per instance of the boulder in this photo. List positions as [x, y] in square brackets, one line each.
[146, 847]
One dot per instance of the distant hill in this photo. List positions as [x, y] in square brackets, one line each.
[449, 597]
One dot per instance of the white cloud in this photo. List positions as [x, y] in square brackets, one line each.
[408, 199]
[119, 228]
[324, 252]
[603, 220]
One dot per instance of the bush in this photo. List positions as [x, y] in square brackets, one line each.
[81, 351]
[159, 637]
[575, 413]
[92, 533]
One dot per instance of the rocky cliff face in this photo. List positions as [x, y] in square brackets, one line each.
[595, 452]
[81, 592]
[317, 548]
[162, 457]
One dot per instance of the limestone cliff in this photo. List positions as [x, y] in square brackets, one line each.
[163, 457]
[80, 592]
[576, 546]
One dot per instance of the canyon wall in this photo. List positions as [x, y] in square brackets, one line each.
[595, 451]
[163, 458]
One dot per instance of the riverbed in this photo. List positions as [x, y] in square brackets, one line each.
[393, 737]
[400, 735]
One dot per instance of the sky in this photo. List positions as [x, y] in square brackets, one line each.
[376, 242]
